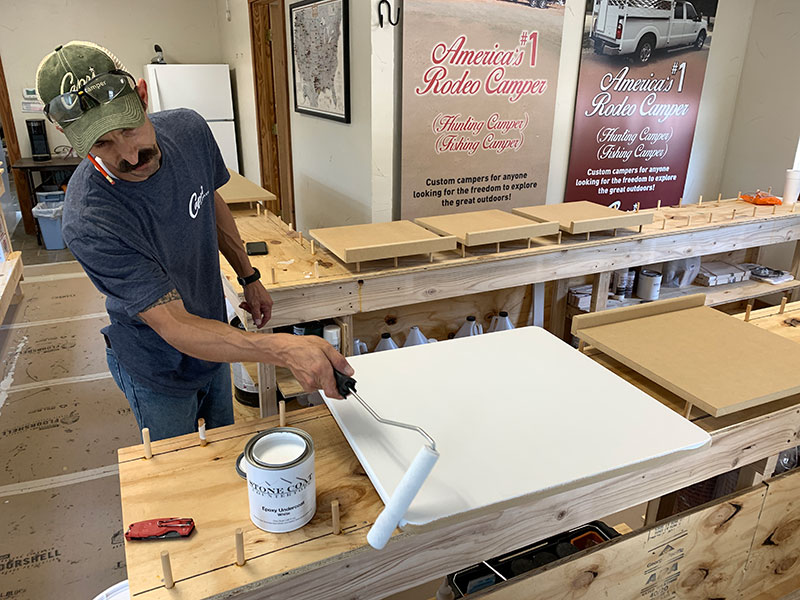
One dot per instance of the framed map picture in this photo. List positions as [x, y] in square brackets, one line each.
[321, 58]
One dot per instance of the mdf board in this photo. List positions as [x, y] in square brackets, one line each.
[186, 479]
[701, 554]
[10, 275]
[775, 559]
[556, 404]
[714, 361]
[56, 299]
[374, 241]
[584, 217]
[486, 227]
[240, 189]
[33, 354]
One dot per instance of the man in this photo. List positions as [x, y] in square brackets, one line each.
[146, 223]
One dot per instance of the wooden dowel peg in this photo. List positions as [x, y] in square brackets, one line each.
[272, 275]
[774, 208]
[710, 217]
[614, 233]
[240, 560]
[301, 237]
[201, 431]
[769, 190]
[282, 413]
[754, 210]
[561, 232]
[739, 195]
[719, 199]
[148, 451]
[497, 248]
[463, 251]
[529, 242]
[658, 205]
[430, 257]
[747, 312]
[581, 346]
[680, 201]
[169, 582]
[588, 235]
[688, 411]
[358, 267]
[396, 262]
[664, 224]
[640, 228]
[700, 201]
[316, 269]
[313, 247]
[733, 214]
[337, 525]
[290, 227]
[783, 304]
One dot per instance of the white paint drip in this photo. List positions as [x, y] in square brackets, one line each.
[285, 262]
[12, 366]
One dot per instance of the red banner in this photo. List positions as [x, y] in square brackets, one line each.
[642, 71]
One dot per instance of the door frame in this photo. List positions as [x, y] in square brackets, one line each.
[271, 83]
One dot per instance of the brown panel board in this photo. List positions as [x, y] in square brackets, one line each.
[10, 275]
[241, 189]
[697, 555]
[639, 311]
[714, 361]
[584, 217]
[486, 227]
[62, 429]
[774, 559]
[62, 542]
[374, 241]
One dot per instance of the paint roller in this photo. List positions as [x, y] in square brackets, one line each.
[410, 483]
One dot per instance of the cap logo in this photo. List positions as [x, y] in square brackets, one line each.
[68, 83]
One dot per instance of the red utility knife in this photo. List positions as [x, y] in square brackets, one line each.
[158, 529]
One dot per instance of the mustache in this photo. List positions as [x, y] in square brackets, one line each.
[145, 155]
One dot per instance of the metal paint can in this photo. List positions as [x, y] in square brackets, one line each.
[281, 485]
[649, 286]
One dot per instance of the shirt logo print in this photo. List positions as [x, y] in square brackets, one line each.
[196, 201]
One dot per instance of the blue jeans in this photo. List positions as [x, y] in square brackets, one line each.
[169, 415]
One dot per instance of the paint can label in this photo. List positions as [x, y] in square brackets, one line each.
[281, 484]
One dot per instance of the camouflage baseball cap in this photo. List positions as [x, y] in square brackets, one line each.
[67, 69]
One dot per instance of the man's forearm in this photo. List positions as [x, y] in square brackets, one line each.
[229, 240]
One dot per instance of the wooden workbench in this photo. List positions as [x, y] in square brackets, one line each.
[186, 479]
[382, 297]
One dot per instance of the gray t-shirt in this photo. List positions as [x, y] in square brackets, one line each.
[138, 241]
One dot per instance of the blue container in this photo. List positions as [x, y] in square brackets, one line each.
[50, 196]
[51, 232]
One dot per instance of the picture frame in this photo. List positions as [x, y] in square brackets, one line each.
[320, 34]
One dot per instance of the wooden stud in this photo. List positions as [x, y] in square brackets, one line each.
[313, 247]
[783, 304]
[240, 560]
[282, 412]
[700, 202]
[169, 582]
[272, 275]
[747, 312]
[201, 431]
[719, 199]
[688, 411]
[658, 205]
[581, 346]
[148, 451]
[337, 525]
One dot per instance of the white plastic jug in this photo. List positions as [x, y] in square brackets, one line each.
[359, 347]
[416, 338]
[386, 343]
[470, 327]
[500, 322]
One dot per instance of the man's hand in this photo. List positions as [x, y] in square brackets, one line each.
[258, 303]
[312, 360]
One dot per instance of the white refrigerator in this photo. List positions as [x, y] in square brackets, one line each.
[203, 88]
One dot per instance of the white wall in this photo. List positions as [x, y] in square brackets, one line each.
[766, 124]
[234, 37]
[185, 29]
[332, 160]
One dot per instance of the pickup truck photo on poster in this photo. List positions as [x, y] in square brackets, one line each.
[479, 88]
[641, 77]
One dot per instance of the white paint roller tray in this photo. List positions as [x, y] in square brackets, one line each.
[514, 413]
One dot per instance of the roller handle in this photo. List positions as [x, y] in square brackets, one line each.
[344, 384]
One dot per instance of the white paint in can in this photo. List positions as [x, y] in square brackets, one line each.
[281, 485]
[649, 286]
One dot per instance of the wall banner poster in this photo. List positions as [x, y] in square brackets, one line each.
[641, 76]
[479, 88]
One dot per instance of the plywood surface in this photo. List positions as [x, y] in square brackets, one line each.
[710, 359]
[554, 400]
[241, 189]
[584, 217]
[486, 227]
[374, 241]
